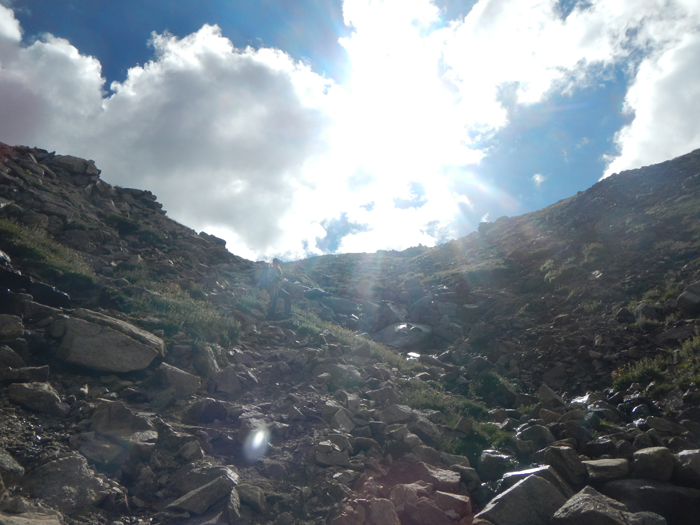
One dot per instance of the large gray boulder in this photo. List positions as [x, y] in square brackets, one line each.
[101, 347]
[532, 500]
[66, 484]
[653, 463]
[589, 507]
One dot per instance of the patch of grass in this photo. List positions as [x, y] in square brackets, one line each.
[484, 436]
[642, 372]
[592, 307]
[252, 302]
[486, 384]
[647, 325]
[177, 311]
[46, 257]
[420, 395]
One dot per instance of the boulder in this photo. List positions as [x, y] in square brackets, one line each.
[202, 498]
[341, 376]
[686, 469]
[404, 336]
[195, 475]
[600, 470]
[128, 329]
[252, 496]
[538, 434]
[205, 411]
[459, 504]
[589, 507]
[67, 484]
[10, 359]
[228, 381]
[689, 301]
[99, 347]
[566, 462]
[395, 414]
[653, 463]
[10, 470]
[120, 434]
[384, 396]
[408, 473]
[184, 383]
[340, 305]
[492, 464]
[532, 500]
[546, 472]
[382, 512]
[679, 505]
[11, 328]
[426, 511]
[39, 397]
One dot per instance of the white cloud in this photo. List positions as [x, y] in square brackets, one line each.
[257, 148]
[665, 101]
[538, 179]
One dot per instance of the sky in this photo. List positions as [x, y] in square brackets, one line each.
[293, 129]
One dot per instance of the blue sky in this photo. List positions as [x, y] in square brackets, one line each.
[298, 128]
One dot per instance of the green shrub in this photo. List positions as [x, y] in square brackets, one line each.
[642, 372]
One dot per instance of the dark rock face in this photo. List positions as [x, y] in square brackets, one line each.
[143, 381]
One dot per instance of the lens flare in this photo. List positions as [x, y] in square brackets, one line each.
[256, 444]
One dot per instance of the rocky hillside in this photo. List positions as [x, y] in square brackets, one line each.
[541, 370]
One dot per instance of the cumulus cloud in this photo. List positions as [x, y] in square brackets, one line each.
[256, 148]
[665, 102]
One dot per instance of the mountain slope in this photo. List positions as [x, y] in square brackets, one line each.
[141, 380]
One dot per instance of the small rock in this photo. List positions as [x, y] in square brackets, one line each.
[252, 496]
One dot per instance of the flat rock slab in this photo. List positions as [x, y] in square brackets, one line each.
[532, 500]
[201, 499]
[100, 347]
[31, 518]
[607, 469]
[142, 336]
